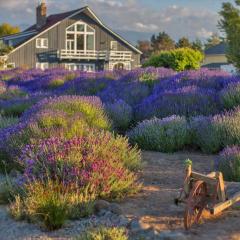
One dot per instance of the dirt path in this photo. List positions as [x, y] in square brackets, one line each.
[163, 176]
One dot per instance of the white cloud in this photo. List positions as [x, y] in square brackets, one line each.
[203, 33]
[123, 15]
[146, 27]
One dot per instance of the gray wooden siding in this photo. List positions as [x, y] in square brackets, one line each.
[28, 54]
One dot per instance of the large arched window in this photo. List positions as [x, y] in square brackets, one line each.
[80, 37]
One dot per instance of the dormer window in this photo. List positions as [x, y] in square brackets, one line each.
[80, 37]
[41, 43]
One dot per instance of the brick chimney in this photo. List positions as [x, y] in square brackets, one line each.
[41, 14]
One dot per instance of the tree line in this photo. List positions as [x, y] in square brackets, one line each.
[163, 42]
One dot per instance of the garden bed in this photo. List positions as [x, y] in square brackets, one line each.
[151, 211]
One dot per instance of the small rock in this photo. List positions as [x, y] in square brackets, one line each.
[101, 213]
[144, 234]
[115, 208]
[135, 226]
[101, 205]
[123, 221]
[169, 235]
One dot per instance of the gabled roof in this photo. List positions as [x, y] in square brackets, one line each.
[55, 19]
[221, 48]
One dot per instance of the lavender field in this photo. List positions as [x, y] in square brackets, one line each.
[76, 137]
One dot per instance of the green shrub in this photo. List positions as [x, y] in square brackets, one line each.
[8, 190]
[178, 59]
[104, 233]
[42, 202]
[15, 109]
[52, 203]
[7, 121]
[164, 135]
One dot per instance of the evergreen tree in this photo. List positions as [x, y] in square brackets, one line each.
[184, 43]
[162, 42]
[197, 45]
[230, 24]
[213, 41]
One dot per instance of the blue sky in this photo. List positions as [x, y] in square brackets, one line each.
[190, 18]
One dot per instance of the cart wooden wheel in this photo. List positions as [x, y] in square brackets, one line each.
[195, 204]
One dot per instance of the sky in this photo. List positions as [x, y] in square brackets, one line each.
[136, 18]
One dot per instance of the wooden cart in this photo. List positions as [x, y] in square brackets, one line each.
[203, 193]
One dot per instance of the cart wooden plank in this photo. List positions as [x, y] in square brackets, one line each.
[222, 206]
[209, 179]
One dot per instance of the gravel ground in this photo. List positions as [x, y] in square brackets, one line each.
[150, 214]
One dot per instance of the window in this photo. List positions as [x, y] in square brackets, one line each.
[80, 37]
[114, 45]
[10, 43]
[84, 67]
[11, 65]
[41, 43]
[43, 65]
[119, 65]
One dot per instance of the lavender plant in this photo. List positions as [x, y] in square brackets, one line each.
[98, 159]
[230, 96]
[164, 135]
[228, 163]
[121, 114]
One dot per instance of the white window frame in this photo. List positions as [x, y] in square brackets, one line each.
[114, 45]
[10, 43]
[85, 33]
[42, 65]
[85, 67]
[42, 43]
[11, 65]
[127, 65]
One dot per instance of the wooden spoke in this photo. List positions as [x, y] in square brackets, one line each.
[195, 204]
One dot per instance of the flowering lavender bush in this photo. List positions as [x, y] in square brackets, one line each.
[212, 134]
[228, 163]
[65, 116]
[147, 74]
[187, 101]
[164, 135]
[97, 159]
[230, 96]
[121, 114]
[206, 134]
[84, 86]
[88, 108]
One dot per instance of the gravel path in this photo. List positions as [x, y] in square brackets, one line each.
[152, 211]
[154, 208]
